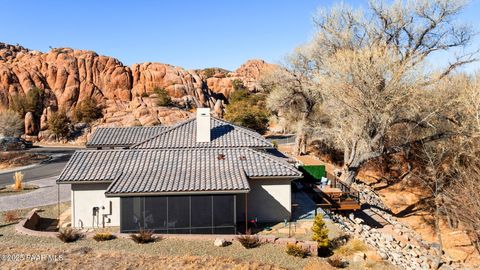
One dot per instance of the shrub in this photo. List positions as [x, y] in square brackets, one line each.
[68, 235]
[275, 144]
[352, 247]
[58, 124]
[144, 237]
[31, 102]
[297, 251]
[163, 98]
[320, 232]
[103, 236]
[337, 262]
[248, 240]
[18, 181]
[87, 111]
[10, 216]
[238, 85]
[10, 123]
[144, 94]
[248, 110]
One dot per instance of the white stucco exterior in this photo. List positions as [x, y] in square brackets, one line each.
[269, 200]
[87, 196]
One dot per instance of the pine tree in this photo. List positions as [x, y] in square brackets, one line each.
[320, 232]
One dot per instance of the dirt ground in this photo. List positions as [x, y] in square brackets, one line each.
[402, 201]
[17, 159]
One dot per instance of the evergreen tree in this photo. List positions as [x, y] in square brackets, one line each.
[320, 232]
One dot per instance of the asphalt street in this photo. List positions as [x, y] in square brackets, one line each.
[46, 169]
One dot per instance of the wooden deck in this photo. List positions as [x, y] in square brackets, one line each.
[336, 197]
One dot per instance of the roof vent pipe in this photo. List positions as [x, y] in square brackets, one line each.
[203, 125]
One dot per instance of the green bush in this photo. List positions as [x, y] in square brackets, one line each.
[58, 124]
[87, 111]
[163, 98]
[320, 232]
[248, 110]
[103, 236]
[144, 94]
[297, 251]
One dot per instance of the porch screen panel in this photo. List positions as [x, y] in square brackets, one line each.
[178, 214]
[156, 214]
[224, 214]
[132, 214]
[197, 214]
[201, 214]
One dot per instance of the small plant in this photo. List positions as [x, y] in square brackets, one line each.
[352, 247]
[320, 232]
[297, 251]
[18, 178]
[163, 98]
[103, 236]
[68, 235]
[248, 240]
[144, 237]
[10, 216]
[144, 94]
[275, 144]
[337, 262]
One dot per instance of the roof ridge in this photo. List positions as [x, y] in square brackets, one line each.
[163, 132]
[274, 158]
[245, 130]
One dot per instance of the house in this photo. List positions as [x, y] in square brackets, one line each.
[121, 137]
[201, 176]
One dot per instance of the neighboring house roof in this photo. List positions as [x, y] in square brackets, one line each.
[223, 135]
[122, 136]
[174, 170]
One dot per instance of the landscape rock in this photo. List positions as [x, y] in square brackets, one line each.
[219, 242]
[69, 76]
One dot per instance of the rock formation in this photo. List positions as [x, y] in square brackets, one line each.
[69, 76]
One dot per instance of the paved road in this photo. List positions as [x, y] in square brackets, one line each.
[47, 169]
[46, 194]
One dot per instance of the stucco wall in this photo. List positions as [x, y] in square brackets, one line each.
[269, 200]
[87, 196]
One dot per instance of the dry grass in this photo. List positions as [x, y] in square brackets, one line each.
[16, 159]
[18, 181]
[353, 246]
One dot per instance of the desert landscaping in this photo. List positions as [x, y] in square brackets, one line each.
[354, 147]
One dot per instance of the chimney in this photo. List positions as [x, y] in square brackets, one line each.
[203, 125]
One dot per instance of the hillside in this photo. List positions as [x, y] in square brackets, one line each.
[69, 76]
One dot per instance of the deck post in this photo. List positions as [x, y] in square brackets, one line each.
[246, 213]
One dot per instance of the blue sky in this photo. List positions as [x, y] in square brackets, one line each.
[191, 34]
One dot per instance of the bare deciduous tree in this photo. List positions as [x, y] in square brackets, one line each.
[370, 69]
[293, 95]
[10, 123]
